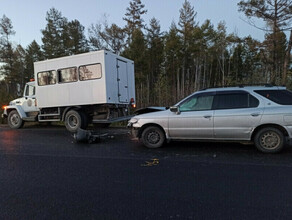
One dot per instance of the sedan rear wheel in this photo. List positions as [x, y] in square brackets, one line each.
[153, 137]
[269, 140]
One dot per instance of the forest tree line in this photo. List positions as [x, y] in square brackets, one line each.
[168, 64]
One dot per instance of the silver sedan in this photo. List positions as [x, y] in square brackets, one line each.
[261, 114]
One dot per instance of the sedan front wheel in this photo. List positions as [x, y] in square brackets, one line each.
[153, 137]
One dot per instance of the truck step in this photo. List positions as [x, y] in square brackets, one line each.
[49, 117]
[44, 120]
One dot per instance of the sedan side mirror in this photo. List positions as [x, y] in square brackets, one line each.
[175, 109]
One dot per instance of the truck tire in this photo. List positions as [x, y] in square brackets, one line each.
[74, 120]
[84, 120]
[269, 140]
[153, 137]
[14, 120]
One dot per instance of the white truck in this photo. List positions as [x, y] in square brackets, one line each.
[94, 87]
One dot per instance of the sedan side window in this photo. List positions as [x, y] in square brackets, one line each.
[197, 103]
[282, 97]
[235, 100]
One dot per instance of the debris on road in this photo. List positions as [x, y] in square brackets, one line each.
[86, 136]
[153, 162]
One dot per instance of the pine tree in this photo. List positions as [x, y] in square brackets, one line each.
[173, 55]
[114, 36]
[187, 24]
[33, 54]
[10, 57]
[246, 65]
[54, 37]
[237, 69]
[19, 66]
[252, 69]
[6, 49]
[204, 38]
[221, 43]
[136, 48]
[278, 16]
[75, 40]
[95, 40]
[133, 17]
[187, 21]
[137, 51]
[111, 38]
[154, 57]
[275, 54]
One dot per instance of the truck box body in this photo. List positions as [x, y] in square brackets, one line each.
[92, 78]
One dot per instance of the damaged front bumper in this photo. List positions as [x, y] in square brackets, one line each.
[133, 131]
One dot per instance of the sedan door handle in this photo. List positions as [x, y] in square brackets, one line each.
[207, 116]
[255, 114]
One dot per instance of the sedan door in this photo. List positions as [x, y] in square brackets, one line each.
[235, 115]
[194, 120]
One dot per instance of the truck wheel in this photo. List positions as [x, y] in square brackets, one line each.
[74, 120]
[153, 137]
[14, 120]
[269, 140]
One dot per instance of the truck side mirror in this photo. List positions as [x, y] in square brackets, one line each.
[175, 109]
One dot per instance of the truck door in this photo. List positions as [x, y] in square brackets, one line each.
[122, 81]
[28, 104]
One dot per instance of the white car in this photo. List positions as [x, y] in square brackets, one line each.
[259, 114]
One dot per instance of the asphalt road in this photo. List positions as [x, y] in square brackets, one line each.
[44, 174]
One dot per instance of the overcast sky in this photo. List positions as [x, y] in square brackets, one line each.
[28, 16]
